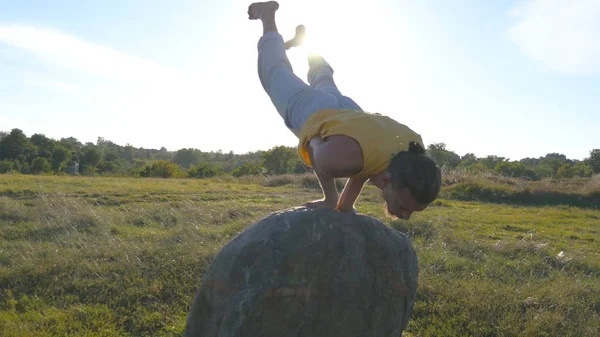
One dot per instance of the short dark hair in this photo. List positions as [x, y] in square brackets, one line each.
[415, 170]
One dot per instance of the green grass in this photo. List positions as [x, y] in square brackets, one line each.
[124, 257]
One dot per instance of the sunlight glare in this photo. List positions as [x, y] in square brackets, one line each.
[371, 50]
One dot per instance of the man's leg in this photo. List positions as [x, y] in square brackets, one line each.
[320, 74]
[320, 77]
[274, 69]
[292, 97]
[276, 75]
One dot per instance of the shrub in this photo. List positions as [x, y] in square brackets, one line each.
[480, 167]
[478, 190]
[581, 169]
[564, 171]
[158, 169]
[40, 165]
[108, 167]
[7, 166]
[247, 169]
[204, 170]
[515, 170]
[164, 169]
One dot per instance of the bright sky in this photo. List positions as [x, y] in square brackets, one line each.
[510, 78]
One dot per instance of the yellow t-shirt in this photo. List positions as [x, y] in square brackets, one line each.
[379, 137]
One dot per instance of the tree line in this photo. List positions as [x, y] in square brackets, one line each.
[39, 154]
[552, 165]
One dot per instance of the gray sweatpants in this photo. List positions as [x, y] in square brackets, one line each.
[293, 98]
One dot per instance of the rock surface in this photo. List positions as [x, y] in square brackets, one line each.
[308, 272]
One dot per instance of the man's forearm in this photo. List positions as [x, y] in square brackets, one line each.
[350, 193]
[326, 181]
[328, 187]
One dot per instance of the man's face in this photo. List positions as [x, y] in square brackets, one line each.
[401, 203]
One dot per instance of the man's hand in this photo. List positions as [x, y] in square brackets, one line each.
[321, 203]
[350, 194]
[346, 209]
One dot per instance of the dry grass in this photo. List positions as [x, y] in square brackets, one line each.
[124, 257]
[582, 186]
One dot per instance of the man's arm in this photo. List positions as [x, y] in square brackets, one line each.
[337, 157]
[323, 172]
[350, 193]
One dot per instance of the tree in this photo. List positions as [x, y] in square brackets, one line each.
[187, 157]
[91, 158]
[129, 153]
[530, 162]
[468, 160]
[551, 162]
[45, 146]
[218, 155]
[594, 160]
[442, 156]
[492, 161]
[40, 165]
[111, 157]
[60, 158]
[164, 154]
[16, 144]
[299, 166]
[71, 143]
[21, 164]
[279, 160]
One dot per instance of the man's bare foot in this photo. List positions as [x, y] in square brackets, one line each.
[260, 10]
[298, 39]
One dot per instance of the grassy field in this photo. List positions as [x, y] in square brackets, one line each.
[83, 256]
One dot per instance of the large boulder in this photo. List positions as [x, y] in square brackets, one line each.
[308, 272]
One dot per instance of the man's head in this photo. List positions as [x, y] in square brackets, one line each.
[412, 182]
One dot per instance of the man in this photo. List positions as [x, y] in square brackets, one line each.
[336, 137]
